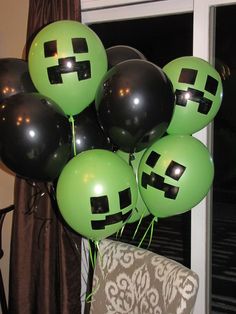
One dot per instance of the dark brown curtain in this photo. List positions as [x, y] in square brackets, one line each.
[42, 12]
[45, 263]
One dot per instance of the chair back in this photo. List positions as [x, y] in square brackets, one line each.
[132, 280]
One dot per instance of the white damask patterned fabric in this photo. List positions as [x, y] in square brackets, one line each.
[130, 280]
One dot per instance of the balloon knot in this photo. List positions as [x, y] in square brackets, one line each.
[71, 119]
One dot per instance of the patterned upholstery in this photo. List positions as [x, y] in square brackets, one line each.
[131, 280]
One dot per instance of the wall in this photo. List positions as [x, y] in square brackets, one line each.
[13, 17]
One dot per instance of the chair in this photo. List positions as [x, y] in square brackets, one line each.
[132, 280]
[3, 300]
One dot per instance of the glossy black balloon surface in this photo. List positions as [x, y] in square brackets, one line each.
[120, 53]
[88, 132]
[135, 103]
[14, 78]
[35, 136]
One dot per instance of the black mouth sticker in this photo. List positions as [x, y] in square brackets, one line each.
[68, 64]
[156, 181]
[174, 171]
[182, 98]
[100, 205]
[110, 220]
[189, 76]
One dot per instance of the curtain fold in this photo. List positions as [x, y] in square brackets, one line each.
[45, 262]
[43, 12]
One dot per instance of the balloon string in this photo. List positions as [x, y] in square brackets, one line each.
[72, 121]
[91, 255]
[96, 252]
[131, 158]
[89, 297]
[118, 234]
[151, 234]
[122, 230]
[145, 234]
[33, 201]
[139, 223]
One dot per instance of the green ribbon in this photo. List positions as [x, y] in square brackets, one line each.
[72, 121]
[151, 225]
[138, 225]
[93, 257]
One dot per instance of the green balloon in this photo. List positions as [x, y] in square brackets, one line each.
[133, 160]
[175, 174]
[66, 63]
[198, 94]
[96, 193]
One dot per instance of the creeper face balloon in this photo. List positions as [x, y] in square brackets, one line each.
[96, 193]
[198, 94]
[174, 175]
[66, 63]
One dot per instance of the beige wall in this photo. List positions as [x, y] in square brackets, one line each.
[13, 23]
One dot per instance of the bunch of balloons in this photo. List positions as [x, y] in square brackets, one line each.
[111, 129]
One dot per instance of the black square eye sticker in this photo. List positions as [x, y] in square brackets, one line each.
[125, 198]
[79, 45]
[188, 76]
[152, 159]
[211, 85]
[50, 48]
[175, 170]
[99, 204]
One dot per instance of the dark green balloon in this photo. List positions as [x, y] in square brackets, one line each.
[175, 174]
[96, 193]
[198, 94]
[133, 160]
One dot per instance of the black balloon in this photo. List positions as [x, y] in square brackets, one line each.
[88, 132]
[119, 53]
[14, 78]
[135, 103]
[35, 136]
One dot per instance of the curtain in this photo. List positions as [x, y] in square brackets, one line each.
[42, 12]
[45, 262]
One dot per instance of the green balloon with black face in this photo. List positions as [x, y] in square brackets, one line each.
[66, 63]
[174, 175]
[97, 193]
[198, 94]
